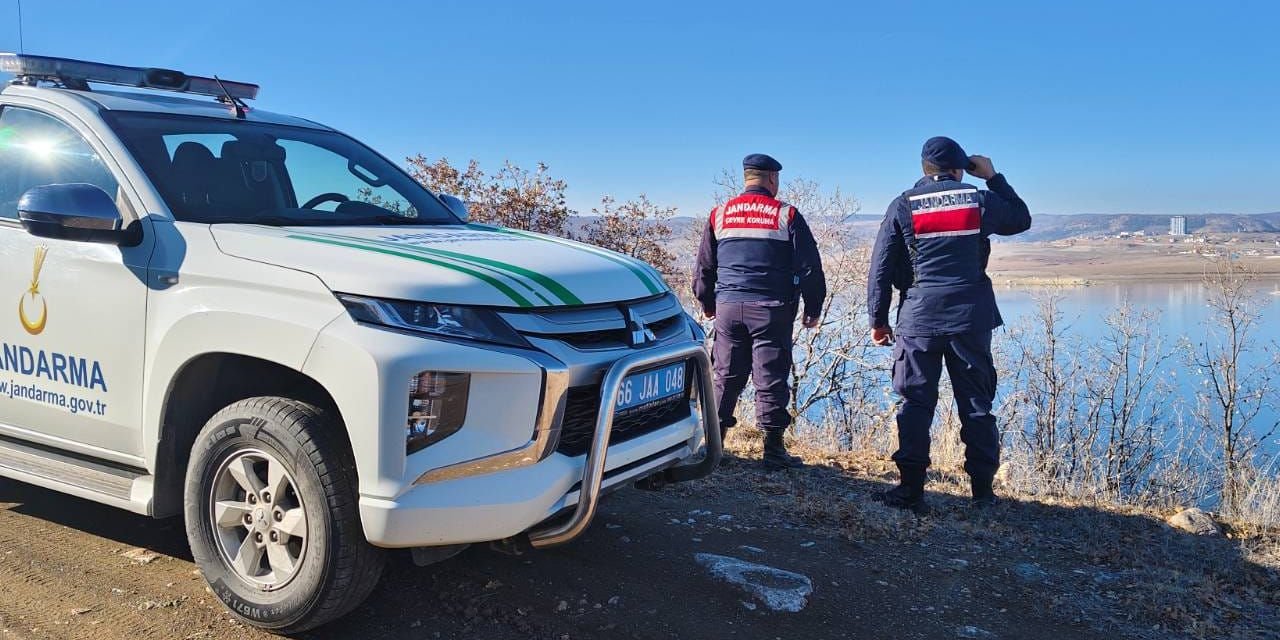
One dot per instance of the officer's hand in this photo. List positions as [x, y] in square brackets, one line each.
[980, 167]
[882, 336]
[810, 322]
[709, 315]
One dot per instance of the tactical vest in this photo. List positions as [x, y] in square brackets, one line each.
[941, 223]
[754, 250]
[942, 226]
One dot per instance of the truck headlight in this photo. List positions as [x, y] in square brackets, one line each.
[437, 407]
[449, 321]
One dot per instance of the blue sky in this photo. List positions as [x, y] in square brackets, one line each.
[1107, 107]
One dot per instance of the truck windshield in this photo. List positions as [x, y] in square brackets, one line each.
[211, 170]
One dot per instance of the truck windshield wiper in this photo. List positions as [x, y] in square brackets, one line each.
[392, 220]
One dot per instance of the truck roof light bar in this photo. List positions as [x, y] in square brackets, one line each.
[76, 74]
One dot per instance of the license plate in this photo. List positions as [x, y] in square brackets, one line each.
[655, 385]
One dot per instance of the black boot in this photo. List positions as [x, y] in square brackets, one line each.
[984, 497]
[909, 494]
[727, 457]
[775, 451]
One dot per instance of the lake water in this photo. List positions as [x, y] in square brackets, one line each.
[1182, 312]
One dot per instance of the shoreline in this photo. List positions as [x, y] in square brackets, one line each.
[1013, 280]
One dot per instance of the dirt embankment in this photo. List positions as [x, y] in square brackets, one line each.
[71, 569]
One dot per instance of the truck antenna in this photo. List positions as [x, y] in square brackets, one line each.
[235, 103]
[21, 49]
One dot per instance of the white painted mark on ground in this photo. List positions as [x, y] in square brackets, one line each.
[776, 589]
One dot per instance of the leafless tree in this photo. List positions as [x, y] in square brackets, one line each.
[1238, 373]
[1048, 387]
[513, 197]
[638, 228]
[1094, 416]
[1130, 387]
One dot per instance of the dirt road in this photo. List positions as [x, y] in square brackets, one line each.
[73, 569]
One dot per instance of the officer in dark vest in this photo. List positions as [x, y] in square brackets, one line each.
[756, 258]
[938, 233]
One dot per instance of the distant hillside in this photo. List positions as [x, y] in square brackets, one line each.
[1045, 226]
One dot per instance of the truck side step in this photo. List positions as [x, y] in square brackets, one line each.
[119, 486]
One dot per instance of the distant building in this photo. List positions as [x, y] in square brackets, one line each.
[1178, 226]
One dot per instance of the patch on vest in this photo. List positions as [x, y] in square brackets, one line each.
[946, 213]
[753, 217]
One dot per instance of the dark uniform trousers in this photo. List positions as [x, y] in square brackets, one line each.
[753, 339]
[916, 370]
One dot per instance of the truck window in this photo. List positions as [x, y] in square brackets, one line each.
[37, 149]
[216, 170]
[324, 171]
[212, 142]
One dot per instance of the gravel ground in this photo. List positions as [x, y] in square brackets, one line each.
[73, 569]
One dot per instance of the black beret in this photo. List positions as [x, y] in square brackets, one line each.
[944, 153]
[762, 162]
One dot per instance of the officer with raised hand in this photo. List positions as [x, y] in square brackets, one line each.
[938, 233]
[756, 254]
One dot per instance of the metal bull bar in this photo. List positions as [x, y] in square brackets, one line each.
[593, 469]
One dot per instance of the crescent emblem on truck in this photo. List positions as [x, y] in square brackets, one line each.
[34, 327]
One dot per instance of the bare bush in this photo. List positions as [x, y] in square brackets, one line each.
[1238, 376]
[638, 228]
[513, 197]
[1097, 420]
[1129, 387]
[1049, 390]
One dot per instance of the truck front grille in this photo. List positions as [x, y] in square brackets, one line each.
[601, 327]
[617, 338]
[582, 407]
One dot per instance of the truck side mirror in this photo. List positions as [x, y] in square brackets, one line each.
[76, 211]
[457, 206]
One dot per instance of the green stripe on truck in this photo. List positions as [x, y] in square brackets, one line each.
[645, 278]
[479, 275]
[509, 270]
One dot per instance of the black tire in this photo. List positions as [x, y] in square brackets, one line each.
[338, 568]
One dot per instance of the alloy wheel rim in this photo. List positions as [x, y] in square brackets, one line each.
[258, 519]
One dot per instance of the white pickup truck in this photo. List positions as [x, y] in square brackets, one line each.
[258, 323]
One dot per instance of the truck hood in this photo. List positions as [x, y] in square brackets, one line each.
[451, 264]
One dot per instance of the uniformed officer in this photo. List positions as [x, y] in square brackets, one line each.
[757, 256]
[937, 234]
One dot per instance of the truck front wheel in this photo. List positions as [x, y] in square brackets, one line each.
[271, 515]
